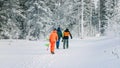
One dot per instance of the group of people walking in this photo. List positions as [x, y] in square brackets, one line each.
[55, 38]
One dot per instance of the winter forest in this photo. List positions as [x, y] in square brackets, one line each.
[34, 19]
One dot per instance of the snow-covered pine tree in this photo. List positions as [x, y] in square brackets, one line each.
[113, 19]
[35, 18]
[12, 12]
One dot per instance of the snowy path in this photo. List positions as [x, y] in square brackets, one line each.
[87, 53]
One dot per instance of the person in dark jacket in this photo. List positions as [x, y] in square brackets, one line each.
[66, 35]
[59, 32]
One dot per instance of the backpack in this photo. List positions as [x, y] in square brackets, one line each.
[66, 33]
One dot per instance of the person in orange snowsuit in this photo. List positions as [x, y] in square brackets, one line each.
[53, 38]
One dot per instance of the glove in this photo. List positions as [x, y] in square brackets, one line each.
[62, 40]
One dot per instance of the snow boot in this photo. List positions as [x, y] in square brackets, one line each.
[52, 53]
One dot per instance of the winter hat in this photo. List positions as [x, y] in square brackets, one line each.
[54, 28]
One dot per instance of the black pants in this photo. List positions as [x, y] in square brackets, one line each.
[65, 43]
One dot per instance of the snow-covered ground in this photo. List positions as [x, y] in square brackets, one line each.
[100, 52]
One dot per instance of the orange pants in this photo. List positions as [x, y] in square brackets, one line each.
[52, 46]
